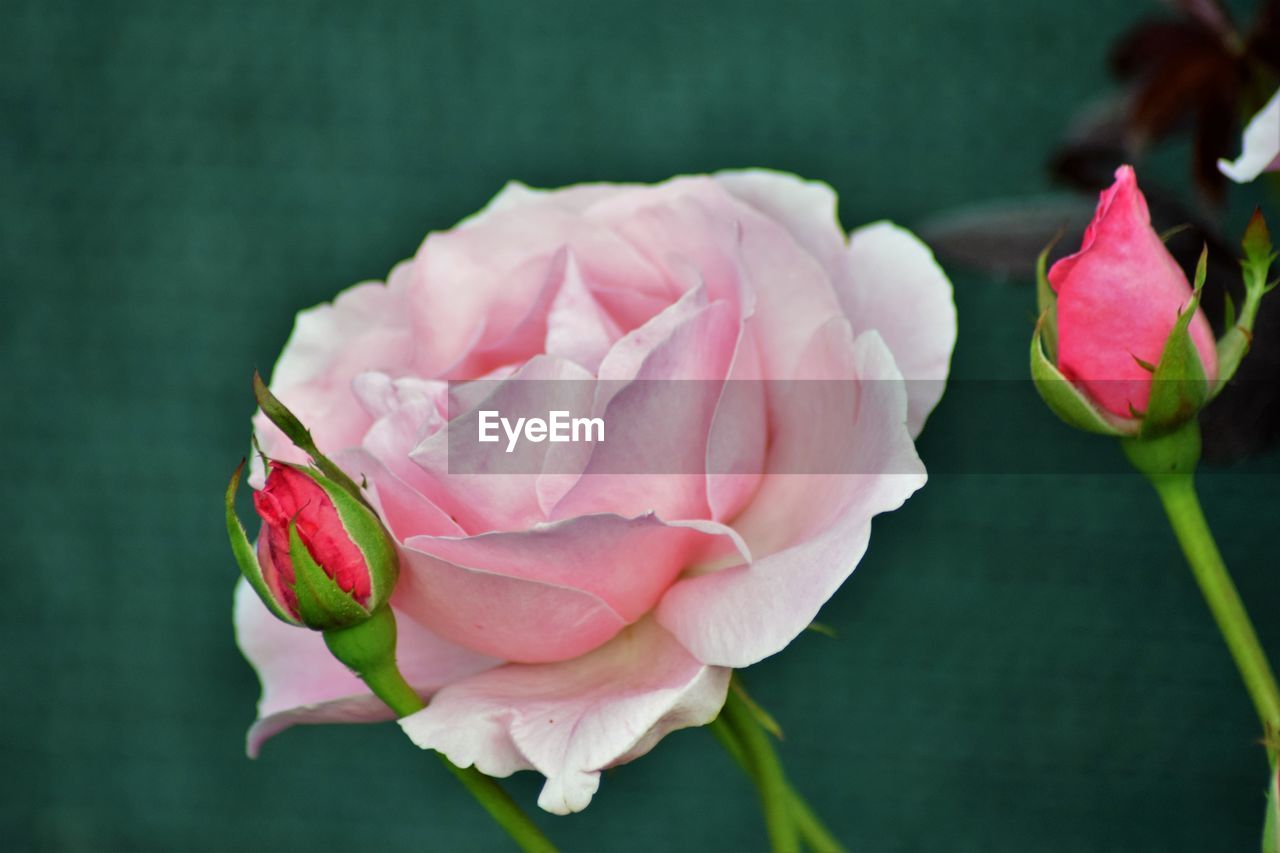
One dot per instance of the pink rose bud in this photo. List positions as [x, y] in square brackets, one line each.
[324, 559]
[1118, 299]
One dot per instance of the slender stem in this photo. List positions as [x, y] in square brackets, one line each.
[1178, 494]
[766, 772]
[812, 830]
[389, 685]
[369, 650]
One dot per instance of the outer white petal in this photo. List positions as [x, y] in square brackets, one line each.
[1261, 150]
[806, 531]
[807, 209]
[893, 285]
[570, 720]
[303, 683]
[888, 281]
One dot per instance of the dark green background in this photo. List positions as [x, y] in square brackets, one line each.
[1023, 662]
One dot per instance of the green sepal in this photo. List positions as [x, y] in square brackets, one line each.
[278, 413]
[1259, 255]
[322, 604]
[1145, 365]
[1257, 247]
[245, 555]
[1047, 301]
[1066, 400]
[1179, 387]
[365, 529]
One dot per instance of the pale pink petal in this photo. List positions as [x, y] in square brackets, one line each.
[363, 329]
[571, 720]
[552, 592]
[403, 509]
[687, 225]
[807, 531]
[475, 285]
[578, 327]
[894, 286]
[480, 484]
[303, 683]
[1261, 146]
[654, 457]
[739, 433]
[807, 209]
[565, 462]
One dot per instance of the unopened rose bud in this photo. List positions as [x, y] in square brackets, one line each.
[1123, 347]
[323, 560]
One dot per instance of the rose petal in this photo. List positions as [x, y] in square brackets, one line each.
[808, 531]
[659, 413]
[739, 432]
[480, 485]
[303, 683]
[1261, 145]
[475, 285]
[893, 285]
[363, 329]
[552, 592]
[571, 720]
[578, 328]
[807, 209]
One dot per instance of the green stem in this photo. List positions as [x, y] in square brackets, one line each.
[1178, 494]
[1169, 464]
[369, 650]
[776, 796]
[812, 831]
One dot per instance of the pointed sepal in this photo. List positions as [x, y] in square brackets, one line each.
[1179, 386]
[1066, 400]
[367, 532]
[244, 553]
[1258, 251]
[1259, 256]
[1047, 301]
[322, 604]
[280, 415]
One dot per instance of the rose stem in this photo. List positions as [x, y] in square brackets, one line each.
[776, 796]
[1178, 494]
[366, 651]
[812, 830]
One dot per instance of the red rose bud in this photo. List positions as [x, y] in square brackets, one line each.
[324, 560]
[1122, 346]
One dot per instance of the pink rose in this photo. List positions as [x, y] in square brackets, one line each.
[1261, 147]
[1118, 299]
[566, 621]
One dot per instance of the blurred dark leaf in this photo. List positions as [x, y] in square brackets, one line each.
[1210, 13]
[1264, 40]
[1002, 238]
[1193, 72]
[1095, 144]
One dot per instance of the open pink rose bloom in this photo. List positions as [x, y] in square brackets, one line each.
[565, 619]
